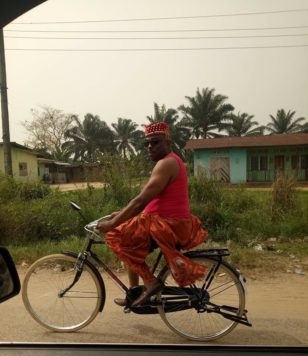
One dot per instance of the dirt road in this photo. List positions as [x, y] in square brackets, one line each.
[277, 308]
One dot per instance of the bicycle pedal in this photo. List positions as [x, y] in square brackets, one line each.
[126, 310]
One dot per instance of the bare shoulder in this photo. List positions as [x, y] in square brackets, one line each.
[168, 162]
[168, 166]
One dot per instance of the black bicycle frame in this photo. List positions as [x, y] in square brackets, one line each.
[187, 299]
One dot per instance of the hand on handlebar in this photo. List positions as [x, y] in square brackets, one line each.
[106, 225]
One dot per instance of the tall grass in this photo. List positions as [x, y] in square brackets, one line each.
[284, 195]
[34, 218]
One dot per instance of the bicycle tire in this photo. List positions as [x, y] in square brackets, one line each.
[225, 289]
[44, 280]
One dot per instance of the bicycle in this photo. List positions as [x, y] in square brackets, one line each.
[65, 292]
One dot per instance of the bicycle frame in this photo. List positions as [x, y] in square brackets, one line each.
[87, 256]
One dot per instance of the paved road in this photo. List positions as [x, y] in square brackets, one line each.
[277, 309]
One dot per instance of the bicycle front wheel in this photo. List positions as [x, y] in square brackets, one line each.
[43, 297]
[194, 319]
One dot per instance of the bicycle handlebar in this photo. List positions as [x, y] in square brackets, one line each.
[92, 225]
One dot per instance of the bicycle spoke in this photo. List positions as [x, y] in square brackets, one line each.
[193, 316]
[42, 297]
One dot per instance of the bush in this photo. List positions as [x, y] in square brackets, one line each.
[122, 179]
[31, 213]
[8, 188]
[11, 189]
[45, 219]
[30, 191]
[205, 190]
[284, 195]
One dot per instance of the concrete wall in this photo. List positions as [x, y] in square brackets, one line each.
[237, 162]
[20, 157]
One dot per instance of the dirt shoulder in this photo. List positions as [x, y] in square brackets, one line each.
[76, 186]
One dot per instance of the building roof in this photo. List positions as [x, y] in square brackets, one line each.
[52, 161]
[296, 139]
[22, 147]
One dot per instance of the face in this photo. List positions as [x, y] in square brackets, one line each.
[157, 146]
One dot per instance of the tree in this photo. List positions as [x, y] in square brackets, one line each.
[61, 154]
[47, 129]
[242, 125]
[162, 114]
[179, 132]
[305, 128]
[126, 137]
[206, 113]
[89, 139]
[284, 123]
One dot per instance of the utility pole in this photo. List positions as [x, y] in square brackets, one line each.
[5, 111]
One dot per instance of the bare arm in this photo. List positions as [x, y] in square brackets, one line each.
[164, 172]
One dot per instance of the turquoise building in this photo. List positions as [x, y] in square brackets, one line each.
[252, 159]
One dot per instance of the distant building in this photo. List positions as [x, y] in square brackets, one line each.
[57, 172]
[24, 162]
[29, 166]
[53, 172]
[252, 159]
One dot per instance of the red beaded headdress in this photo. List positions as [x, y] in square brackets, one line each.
[157, 128]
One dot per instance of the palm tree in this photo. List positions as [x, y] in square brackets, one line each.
[162, 114]
[87, 140]
[126, 137]
[305, 128]
[178, 131]
[206, 113]
[242, 125]
[61, 154]
[284, 123]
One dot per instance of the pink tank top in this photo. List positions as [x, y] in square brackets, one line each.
[173, 201]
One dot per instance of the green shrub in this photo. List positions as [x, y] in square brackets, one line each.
[30, 191]
[11, 189]
[49, 218]
[122, 179]
[8, 188]
[284, 195]
[32, 213]
[205, 190]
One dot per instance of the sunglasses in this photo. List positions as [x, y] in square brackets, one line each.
[153, 142]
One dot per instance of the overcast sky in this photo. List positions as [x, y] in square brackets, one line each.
[123, 77]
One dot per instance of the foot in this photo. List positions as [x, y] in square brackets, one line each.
[154, 287]
[120, 301]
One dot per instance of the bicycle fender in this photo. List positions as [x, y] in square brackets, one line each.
[97, 275]
[217, 254]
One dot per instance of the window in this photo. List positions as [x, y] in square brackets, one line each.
[304, 162]
[263, 163]
[299, 162]
[259, 163]
[23, 169]
[294, 162]
[254, 163]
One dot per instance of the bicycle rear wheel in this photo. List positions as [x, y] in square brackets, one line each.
[194, 321]
[43, 282]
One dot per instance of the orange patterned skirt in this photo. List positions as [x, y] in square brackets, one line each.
[131, 242]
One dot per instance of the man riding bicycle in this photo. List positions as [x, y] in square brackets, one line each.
[160, 212]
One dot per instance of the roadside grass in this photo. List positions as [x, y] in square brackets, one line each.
[26, 255]
[262, 229]
[281, 258]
